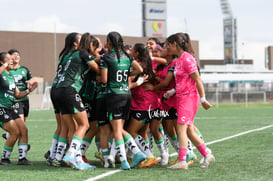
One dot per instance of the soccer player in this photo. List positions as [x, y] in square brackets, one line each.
[21, 74]
[104, 125]
[167, 82]
[189, 89]
[60, 137]
[151, 43]
[141, 101]
[69, 100]
[168, 106]
[88, 94]
[115, 70]
[155, 124]
[10, 121]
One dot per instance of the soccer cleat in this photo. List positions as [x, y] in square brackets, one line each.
[70, 161]
[130, 160]
[149, 162]
[5, 161]
[190, 158]
[202, 159]
[24, 161]
[111, 161]
[57, 163]
[49, 161]
[207, 160]
[179, 165]
[138, 158]
[174, 162]
[99, 156]
[85, 160]
[164, 159]
[125, 165]
[46, 155]
[190, 162]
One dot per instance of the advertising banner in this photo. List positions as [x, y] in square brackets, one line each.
[155, 28]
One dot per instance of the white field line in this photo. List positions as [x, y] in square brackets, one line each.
[174, 154]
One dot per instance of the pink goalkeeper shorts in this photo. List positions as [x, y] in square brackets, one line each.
[187, 106]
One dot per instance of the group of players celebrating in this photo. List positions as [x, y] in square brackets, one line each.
[123, 97]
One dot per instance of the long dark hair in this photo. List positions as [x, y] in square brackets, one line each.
[86, 40]
[183, 41]
[145, 61]
[116, 42]
[155, 40]
[69, 44]
[2, 56]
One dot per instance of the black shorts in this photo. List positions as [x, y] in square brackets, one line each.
[68, 100]
[54, 97]
[118, 106]
[170, 114]
[7, 114]
[90, 107]
[22, 107]
[101, 112]
[143, 116]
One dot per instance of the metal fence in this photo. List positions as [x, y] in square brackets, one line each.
[239, 92]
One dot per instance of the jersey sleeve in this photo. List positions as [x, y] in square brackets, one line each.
[29, 75]
[86, 57]
[171, 69]
[103, 63]
[190, 65]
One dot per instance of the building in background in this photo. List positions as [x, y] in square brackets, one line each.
[40, 51]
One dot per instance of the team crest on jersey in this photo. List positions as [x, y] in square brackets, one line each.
[4, 77]
[23, 72]
[78, 98]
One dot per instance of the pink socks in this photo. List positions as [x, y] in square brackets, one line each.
[203, 149]
[182, 154]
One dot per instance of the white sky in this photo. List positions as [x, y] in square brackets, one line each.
[203, 21]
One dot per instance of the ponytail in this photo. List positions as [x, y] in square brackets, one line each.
[116, 41]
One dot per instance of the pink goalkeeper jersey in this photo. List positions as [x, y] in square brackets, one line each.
[185, 66]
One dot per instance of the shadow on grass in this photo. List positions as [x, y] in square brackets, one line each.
[40, 166]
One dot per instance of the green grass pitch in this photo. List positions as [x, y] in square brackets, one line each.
[247, 157]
